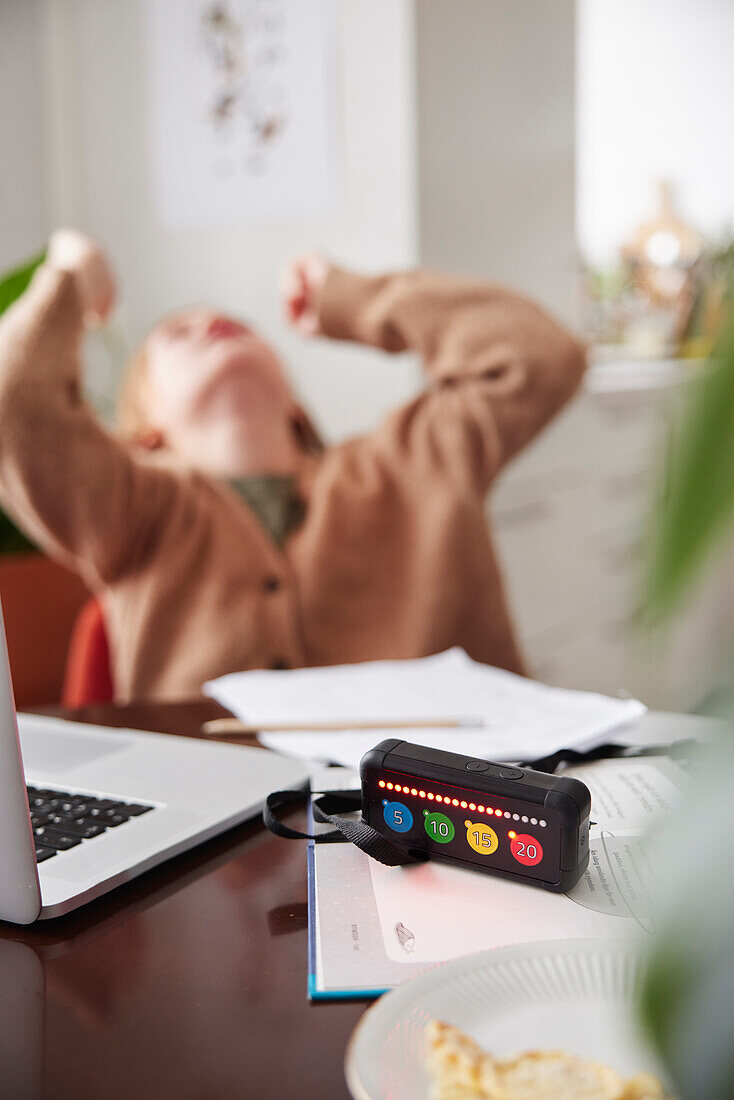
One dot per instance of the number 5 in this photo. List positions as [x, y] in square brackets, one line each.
[398, 817]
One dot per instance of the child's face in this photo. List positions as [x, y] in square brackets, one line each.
[212, 379]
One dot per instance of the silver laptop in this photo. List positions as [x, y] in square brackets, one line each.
[84, 809]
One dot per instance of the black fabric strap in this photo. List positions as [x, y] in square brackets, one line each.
[676, 749]
[327, 809]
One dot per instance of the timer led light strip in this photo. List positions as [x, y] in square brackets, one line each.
[446, 800]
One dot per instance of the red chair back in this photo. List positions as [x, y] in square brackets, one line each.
[88, 678]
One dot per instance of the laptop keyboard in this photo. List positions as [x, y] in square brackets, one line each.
[62, 820]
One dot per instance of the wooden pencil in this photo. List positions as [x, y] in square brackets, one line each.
[232, 727]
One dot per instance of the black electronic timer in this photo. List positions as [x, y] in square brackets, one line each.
[516, 822]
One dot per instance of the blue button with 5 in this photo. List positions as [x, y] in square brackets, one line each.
[397, 816]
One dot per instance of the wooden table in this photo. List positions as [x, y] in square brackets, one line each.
[189, 982]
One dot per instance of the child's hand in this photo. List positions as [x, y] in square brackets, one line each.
[72, 251]
[301, 283]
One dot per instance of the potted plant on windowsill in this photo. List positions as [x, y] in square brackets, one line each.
[40, 598]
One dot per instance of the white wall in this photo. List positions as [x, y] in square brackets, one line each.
[21, 210]
[655, 97]
[495, 110]
[99, 150]
[455, 124]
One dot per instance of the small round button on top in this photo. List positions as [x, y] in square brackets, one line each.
[510, 773]
[476, 766]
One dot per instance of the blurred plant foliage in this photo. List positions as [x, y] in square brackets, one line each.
[12, 285]
[620, 311]
[15, 282]
[687, 995]
[699, 501]
[712, 298]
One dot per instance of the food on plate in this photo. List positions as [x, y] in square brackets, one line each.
[461, 1070]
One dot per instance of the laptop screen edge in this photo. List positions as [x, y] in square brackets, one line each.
[20, 890]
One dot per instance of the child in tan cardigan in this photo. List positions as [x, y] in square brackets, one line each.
[219, 537]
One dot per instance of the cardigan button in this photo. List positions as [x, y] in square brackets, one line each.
[271, 584]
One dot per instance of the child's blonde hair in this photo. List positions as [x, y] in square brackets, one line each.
[132, 418]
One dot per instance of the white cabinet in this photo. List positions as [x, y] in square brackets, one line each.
[570, 517]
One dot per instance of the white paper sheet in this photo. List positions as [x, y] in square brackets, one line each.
[629, 794]
[242, 95]
[504, 716]
[448, 911]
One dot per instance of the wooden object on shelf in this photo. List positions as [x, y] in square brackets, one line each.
[663, 252]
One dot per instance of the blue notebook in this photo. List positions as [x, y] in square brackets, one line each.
[346, 959]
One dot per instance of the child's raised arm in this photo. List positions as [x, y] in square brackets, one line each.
[70, 484]
[499, 366]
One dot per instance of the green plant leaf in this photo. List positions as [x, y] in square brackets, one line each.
[12, 285]
[12, 539]
[15, 282]
[699, 501]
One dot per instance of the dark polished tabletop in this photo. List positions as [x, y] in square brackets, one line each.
[189, 982]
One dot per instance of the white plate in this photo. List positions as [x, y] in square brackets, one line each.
[576, 996]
